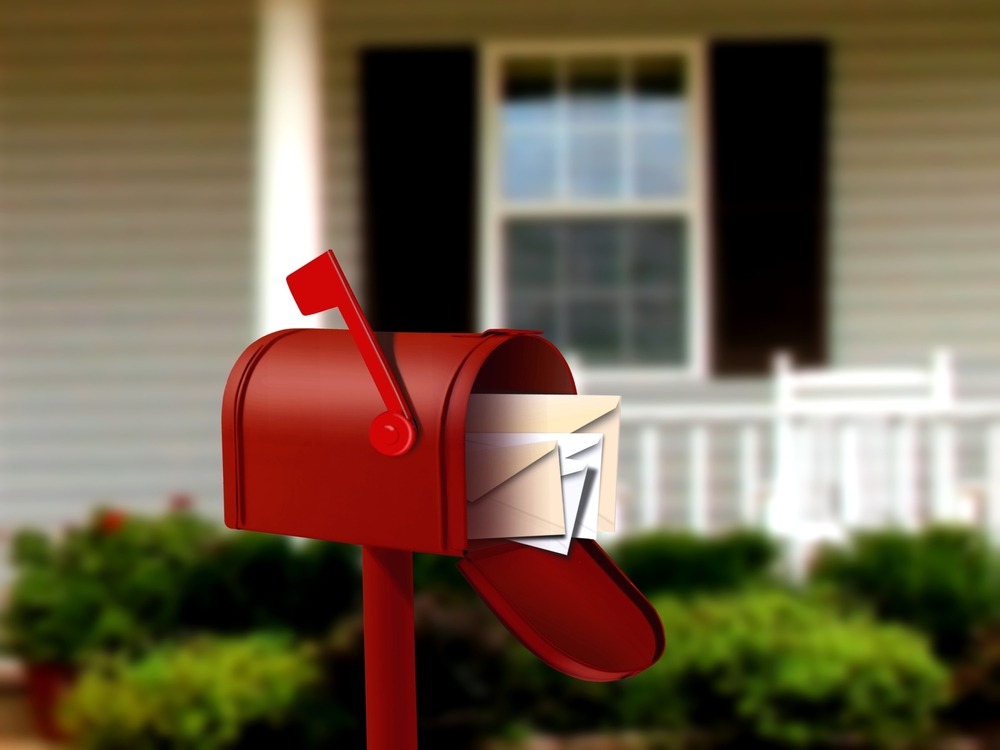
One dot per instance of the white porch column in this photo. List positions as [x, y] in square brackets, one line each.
[288, 157]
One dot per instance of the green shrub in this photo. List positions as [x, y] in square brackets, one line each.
[205, 694]
[770, 667]
[114, 583]
[250, 581]
[461, 664]
[537, 698]
[682, 563]
[976, 683]
[124, 582]
[944, 581]
[439, 575]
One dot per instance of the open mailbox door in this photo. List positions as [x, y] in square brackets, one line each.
[358, 437]
[578, 613]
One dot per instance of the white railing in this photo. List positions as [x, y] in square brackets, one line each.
[708, 466]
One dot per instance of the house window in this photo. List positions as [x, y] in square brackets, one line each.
[594, 202]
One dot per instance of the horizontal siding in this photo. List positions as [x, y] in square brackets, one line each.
[126, 228]
[917, 210]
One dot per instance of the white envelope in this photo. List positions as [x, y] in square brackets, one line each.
[513, 490]
[582, 447]
[557, 413]
[574, 474]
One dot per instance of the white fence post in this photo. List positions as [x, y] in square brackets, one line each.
[991, 511]
[649, 481]
[698, 502]
[904, 475]
[750, 475]
[944, 486]
[851, 494]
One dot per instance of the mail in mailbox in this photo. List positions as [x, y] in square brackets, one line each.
[390, 440]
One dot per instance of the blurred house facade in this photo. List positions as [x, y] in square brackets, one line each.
[672, 191]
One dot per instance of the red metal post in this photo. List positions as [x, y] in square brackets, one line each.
[390, 661]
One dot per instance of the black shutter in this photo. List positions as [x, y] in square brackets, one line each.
[769, 139]
[419, 149]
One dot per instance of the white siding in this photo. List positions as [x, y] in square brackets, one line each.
[917, 210]
[125, 249]
[915, 149]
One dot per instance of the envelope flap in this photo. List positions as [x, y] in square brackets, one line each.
[578, 612]
[488, 466]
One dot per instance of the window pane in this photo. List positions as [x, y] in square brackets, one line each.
[595, 91]
[659, 164]
[614, 290]
[658, 91]
[532, 249]
[658, 273]
[594, 330]
[530, 165]
[534, 312]
[657, 257]
[594, 253]
[595, 164]
[529, 93]
[657, 336]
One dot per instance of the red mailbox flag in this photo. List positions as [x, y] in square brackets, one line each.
[321, 285]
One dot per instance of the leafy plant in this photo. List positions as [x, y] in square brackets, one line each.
[684, 563]
[439, 574]
[248, 581]
[461, 664]
[114, 583]
[210, 693]
[770, 667]
[944, 581]
[537, 698]
[127, 581]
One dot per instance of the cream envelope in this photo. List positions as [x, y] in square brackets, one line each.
[536, 412]
[585, 447]
[574, 474]
[514, 490]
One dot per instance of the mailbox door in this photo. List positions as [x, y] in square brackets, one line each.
[578, 613]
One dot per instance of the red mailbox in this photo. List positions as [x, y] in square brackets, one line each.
[355, 437]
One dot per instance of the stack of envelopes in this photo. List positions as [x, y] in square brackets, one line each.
[541, 469]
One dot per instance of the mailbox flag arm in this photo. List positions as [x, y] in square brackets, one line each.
[321, 285]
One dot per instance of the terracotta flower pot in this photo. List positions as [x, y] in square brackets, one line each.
[46, 684]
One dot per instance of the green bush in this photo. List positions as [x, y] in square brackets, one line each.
[439, 575]
[769, 667]
[113, 583]
[250, 581]
[976, 683]
[537, 698]
[205, 694]
[461, 664]
[944, 581]
[125, 582]
[679, 562]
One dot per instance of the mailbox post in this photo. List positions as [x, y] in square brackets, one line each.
[359, 437]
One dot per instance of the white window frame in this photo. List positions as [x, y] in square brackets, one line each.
[494, 209]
